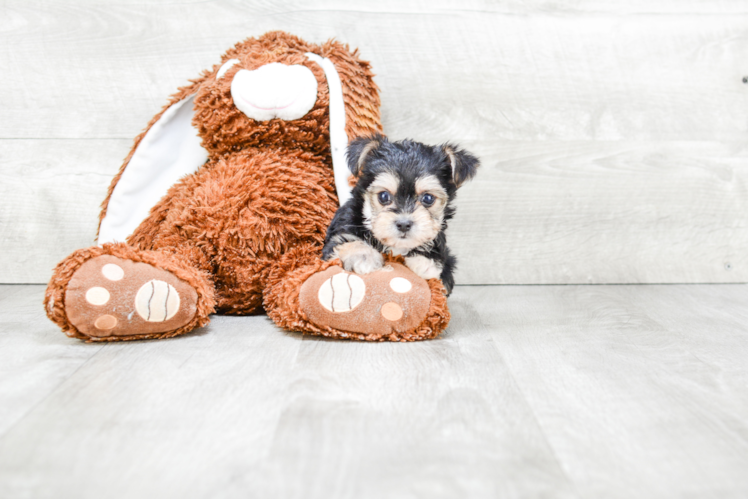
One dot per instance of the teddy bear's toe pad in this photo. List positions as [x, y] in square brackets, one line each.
[112, 297]
[391, 300]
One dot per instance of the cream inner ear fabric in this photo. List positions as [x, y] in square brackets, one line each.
[338, 137]
[170, 150]
[226, 66]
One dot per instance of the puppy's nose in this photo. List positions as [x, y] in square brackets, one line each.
[404, 225]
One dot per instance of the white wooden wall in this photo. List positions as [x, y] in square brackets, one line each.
[613, 134]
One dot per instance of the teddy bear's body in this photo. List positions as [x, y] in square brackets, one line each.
[242, 230]
[238, 214]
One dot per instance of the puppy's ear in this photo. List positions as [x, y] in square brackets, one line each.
[360, 148]
[464, 164]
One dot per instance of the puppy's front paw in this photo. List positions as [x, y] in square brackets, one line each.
[424, 267]
[359, 257]
[363, 263]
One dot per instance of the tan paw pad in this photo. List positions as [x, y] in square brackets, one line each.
[113, 297]
[391, 300]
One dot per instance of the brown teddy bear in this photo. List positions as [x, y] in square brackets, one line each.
[223, 203]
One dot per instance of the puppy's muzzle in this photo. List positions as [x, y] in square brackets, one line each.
[403, 225]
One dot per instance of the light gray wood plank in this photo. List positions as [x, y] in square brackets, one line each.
[204, 397]
[588, 70]
[604, 212]
[628, 403]
[242, 408]
[34, 358]
[534, 391]
[553, 212]
[50, 192]
[435, 419]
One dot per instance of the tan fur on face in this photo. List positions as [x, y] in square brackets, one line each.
[372, 208]
[427, 221]
[385, 181]
[430, 184]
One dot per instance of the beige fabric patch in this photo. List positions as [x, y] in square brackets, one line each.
[97, 296]
[400, 285]
[113, 272]
[342, 293]
[106, 322]
[157, 301]
[391, 311]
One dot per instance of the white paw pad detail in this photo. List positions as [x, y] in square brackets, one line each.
[400, 285]
[97, 296]
[342, 293]
[112, 272]
[157, 301]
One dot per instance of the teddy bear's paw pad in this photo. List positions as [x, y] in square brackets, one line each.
[112, 297]
[391, 300]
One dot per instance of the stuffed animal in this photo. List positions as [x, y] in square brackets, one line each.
[223, 202]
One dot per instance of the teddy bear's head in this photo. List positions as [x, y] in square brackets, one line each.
[265, 92]
[276, 90]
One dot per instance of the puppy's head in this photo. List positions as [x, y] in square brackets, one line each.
[405, 188]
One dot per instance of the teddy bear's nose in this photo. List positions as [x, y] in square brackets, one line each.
[275, 90]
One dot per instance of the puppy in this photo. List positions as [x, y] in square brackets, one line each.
[400, 204]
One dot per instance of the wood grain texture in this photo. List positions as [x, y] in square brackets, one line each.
[50, 192]
[626, 391]
[623, 376]
[604, 212]
[612, 134]
[35, 359]
[550, 212]
[589, 71]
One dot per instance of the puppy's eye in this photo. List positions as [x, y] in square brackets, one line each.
[428, 199]
[384, 198]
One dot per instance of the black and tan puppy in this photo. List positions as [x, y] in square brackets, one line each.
[400, 204]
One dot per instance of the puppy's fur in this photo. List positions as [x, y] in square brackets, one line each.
[401, 204]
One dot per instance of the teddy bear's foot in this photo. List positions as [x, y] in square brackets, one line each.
[387, 304]
[110, 297]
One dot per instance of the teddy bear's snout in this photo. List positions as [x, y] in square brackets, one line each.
[275, 90]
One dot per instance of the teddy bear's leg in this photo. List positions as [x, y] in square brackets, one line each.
[117, 292]
[312, 296]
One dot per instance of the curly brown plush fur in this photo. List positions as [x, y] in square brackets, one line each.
[247, 228]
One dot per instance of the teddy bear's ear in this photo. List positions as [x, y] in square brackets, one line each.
[354, 104]
[464, 165]
[168, 150]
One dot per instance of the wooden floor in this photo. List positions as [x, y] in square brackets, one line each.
[533, 391]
